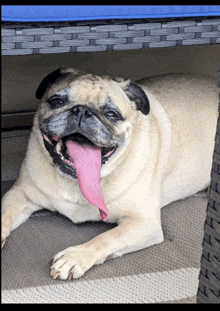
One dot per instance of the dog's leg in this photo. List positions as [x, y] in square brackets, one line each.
[17, 207]
[131, 235]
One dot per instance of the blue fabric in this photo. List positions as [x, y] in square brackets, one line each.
[42, 13]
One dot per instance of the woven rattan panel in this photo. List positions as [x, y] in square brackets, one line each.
[45, 38]
[209, 279]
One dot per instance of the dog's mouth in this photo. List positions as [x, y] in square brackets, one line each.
[78, 157]
[58, 148]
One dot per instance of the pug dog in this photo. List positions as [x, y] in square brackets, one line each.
[117, 151]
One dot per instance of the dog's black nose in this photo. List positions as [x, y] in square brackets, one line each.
[87, 113]
[75, 110]
[81, 113]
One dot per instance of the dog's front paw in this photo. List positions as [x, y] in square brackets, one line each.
[71, 263]
[5, 229]
[3, 241]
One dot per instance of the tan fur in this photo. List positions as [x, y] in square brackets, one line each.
[166, 156]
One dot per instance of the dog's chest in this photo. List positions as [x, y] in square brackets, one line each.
[70, 202]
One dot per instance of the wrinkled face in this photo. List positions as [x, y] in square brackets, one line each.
[86, 109]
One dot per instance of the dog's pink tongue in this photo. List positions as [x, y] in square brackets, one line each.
[87, 162]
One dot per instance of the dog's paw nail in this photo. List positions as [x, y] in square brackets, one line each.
[51, 262]
[70, 277]
[53, 271]
[3, 243]
[56, 275]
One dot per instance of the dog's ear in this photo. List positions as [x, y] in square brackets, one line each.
[47, 81]
[137, 94]
[55, 76]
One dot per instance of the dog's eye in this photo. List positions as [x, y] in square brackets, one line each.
[113, 115]
[57, 101]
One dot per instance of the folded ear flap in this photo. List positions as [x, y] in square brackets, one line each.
[137, 94]
[47, 81]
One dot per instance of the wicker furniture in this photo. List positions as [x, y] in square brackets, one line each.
[209, 279]
[108, 35]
